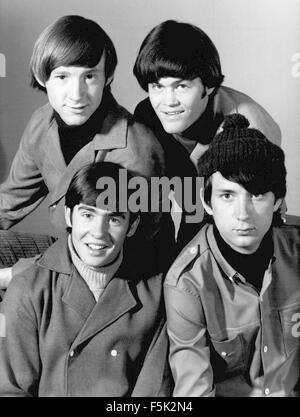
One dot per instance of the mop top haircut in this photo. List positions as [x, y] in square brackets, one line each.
[178, 50]
[71, 41]
[245, 156]
[83, 187]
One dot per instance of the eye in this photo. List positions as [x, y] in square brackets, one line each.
[60, 77]
[182, 86]
[226, 196]
[156, 86]
[86, 215]
[115, 220]
[90, 76]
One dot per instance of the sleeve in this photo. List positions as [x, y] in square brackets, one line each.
[19, 353]
[189, 348]
[24, 188]
[260, 119]
[155, 378]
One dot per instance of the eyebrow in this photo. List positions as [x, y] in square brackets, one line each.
[94, 210]
[177, 81]
[225, 190]
[65, 70]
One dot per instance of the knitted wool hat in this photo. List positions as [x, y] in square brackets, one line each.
[240, 148]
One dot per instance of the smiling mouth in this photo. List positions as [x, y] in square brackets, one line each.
[173, 113]
[96, 247]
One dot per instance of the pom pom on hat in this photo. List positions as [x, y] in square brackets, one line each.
[238, 145]
[235, 120]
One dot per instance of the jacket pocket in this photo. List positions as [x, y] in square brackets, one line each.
[290, 324]
[228, 356]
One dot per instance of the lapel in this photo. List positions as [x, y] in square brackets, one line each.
[52, 148]
[116, 300]
[113, 135]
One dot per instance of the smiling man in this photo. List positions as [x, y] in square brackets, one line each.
[233, 294]
[87, 319]
[73, 62]
[179, 67]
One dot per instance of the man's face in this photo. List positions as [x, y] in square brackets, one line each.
[97, 234]
[178, 103]
[76, 92]
[241, 218]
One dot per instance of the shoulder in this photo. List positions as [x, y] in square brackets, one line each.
[42, 115]
[38, 124]
[136, 126]
[228, 100]
[22, 294]
[192, 257]
[287, 238]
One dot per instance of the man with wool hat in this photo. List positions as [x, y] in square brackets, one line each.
[233, 294]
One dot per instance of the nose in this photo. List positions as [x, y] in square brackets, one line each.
[243, 209]
[76, 89]
[99, 228]
[170, 97]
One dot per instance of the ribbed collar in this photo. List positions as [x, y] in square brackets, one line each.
[96, 278]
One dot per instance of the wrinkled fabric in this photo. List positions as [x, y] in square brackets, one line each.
[226, 338]
[60, 342]
[39, 167]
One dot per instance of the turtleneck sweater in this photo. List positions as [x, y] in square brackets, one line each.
[74, 138]
[96, 278]
[253, 266]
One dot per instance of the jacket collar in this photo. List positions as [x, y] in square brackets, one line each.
[116, 300]
[112, 135]
[139, 259]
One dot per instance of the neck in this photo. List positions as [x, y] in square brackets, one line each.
[251, 266]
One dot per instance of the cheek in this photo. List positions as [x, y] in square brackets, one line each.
[154, 99]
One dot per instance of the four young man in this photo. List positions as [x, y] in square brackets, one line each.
[179, 67]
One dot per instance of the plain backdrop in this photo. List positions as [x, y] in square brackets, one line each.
[258, 42]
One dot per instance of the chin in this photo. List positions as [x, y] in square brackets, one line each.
[173, 129]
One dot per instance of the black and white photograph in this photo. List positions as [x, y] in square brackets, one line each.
[149, 201]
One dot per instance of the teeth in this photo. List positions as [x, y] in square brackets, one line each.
[95, 247]
[171, 113]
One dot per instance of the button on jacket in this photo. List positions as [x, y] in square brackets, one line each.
[226, 339]
[39, 167]
[60, 342]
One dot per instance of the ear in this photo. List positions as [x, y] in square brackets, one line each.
[109, 80]
[277, 204]
[207, 208]
[209, 90]
[68, 216]
[133, 227]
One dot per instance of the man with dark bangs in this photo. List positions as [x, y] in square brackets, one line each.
[179, 67]
[233, 294]
[87, 319]
[73, 61]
